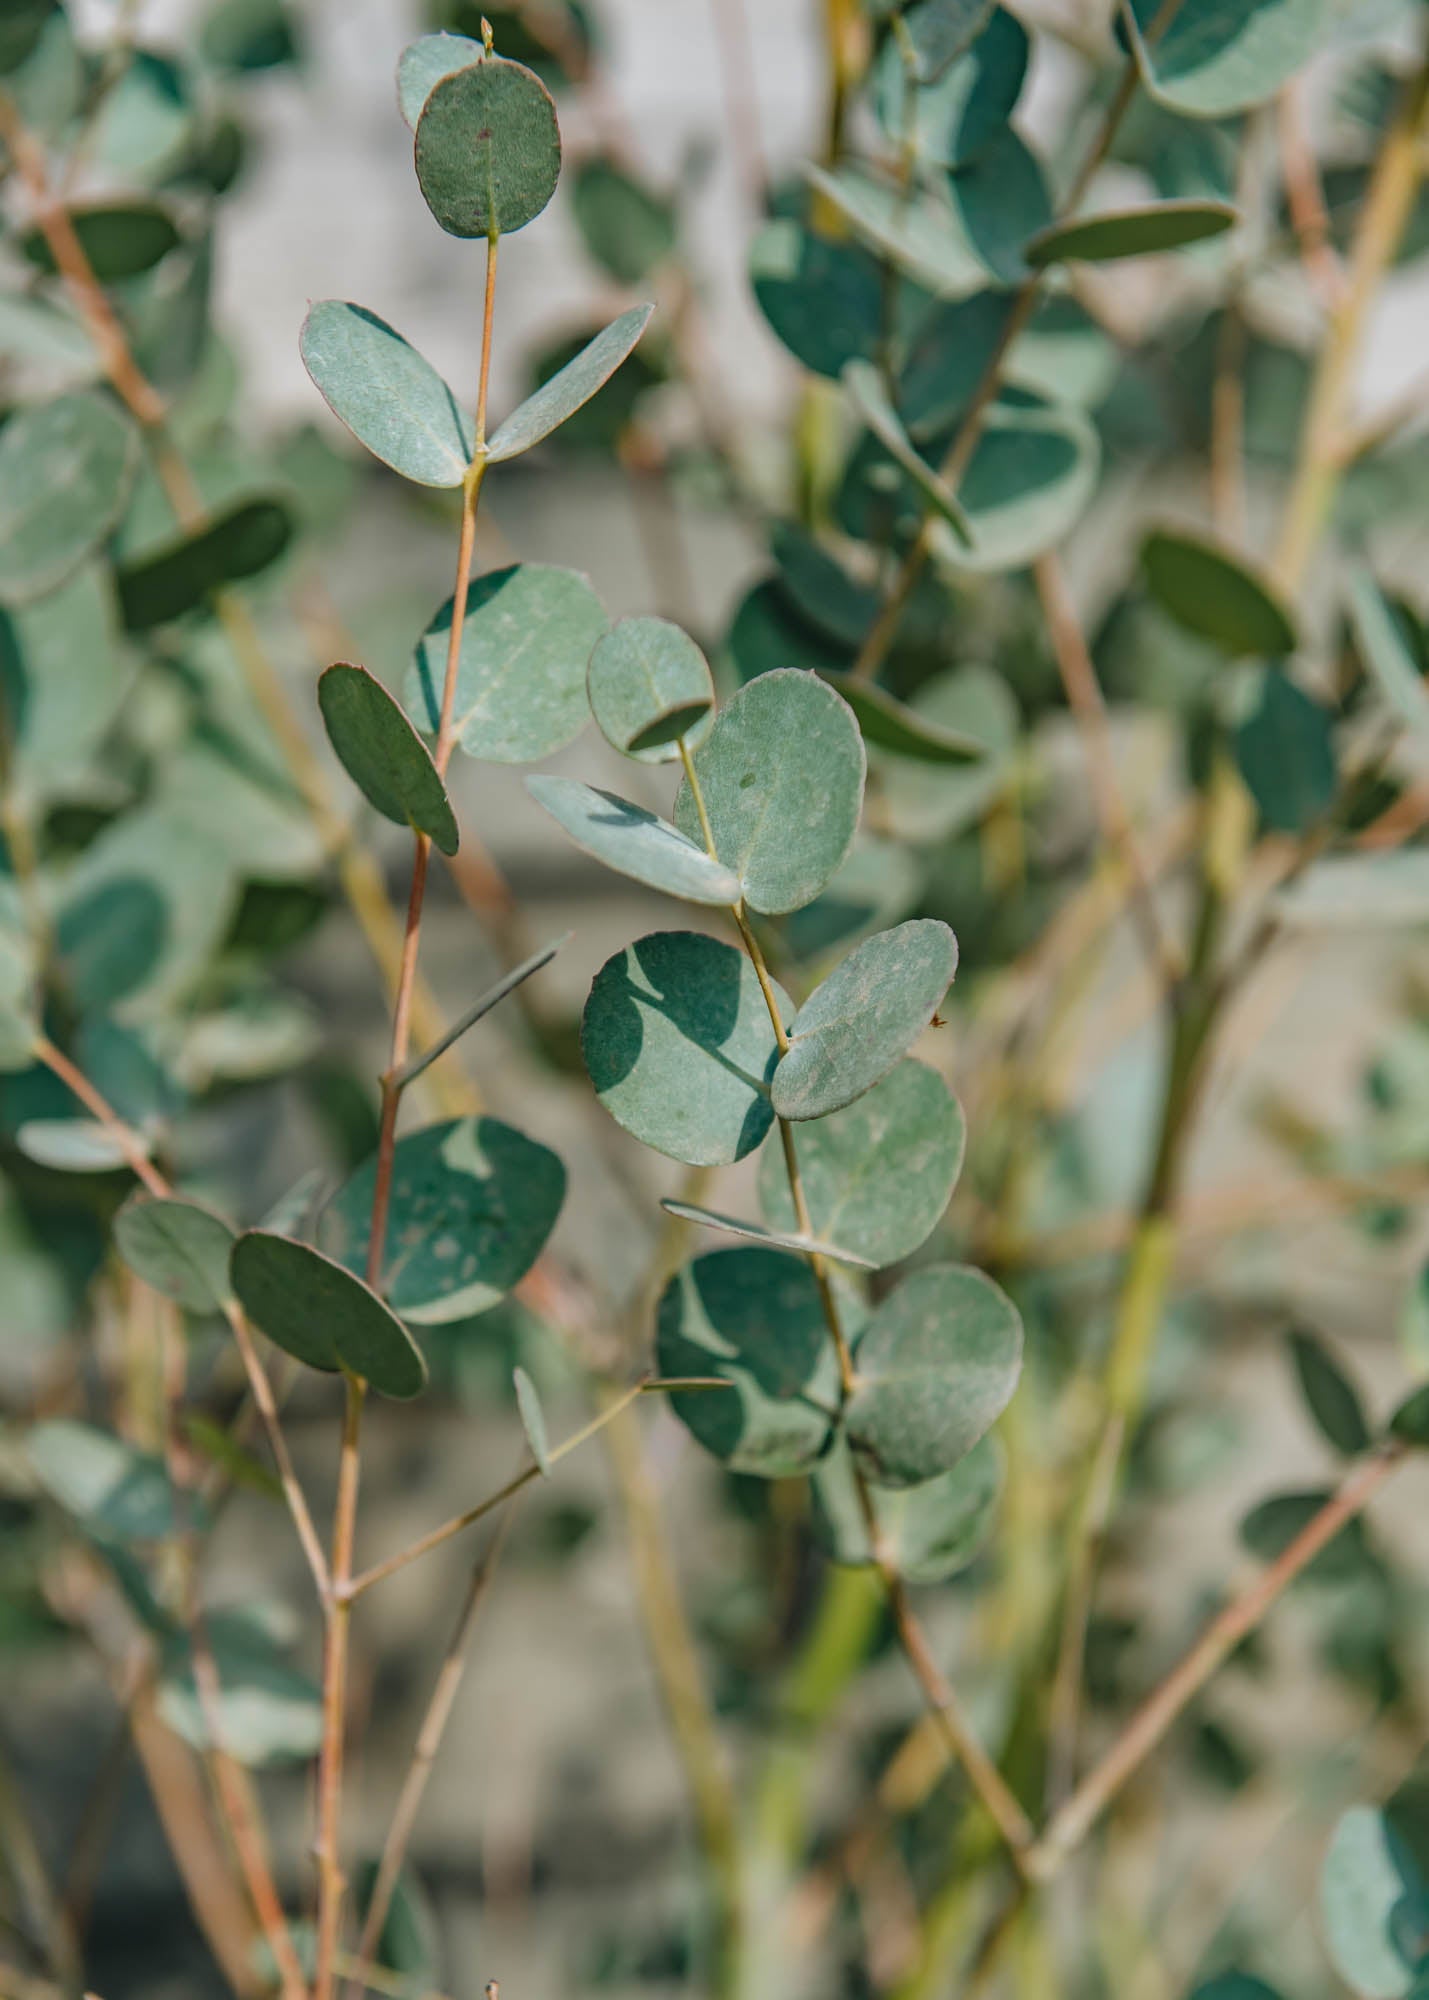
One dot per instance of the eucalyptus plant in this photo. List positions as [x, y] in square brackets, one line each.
[941, 1370]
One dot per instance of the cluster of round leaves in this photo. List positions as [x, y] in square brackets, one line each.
[680, 1043]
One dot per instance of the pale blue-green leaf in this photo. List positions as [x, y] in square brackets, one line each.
[66, 468]
[634, 842]
[925, 803]
[1383, 649]
[782, 777]
[752, 1317]
[19, 1009]
[473, 1202]
[424, 63]
[179, 1248]
[1216, 57]
[32, 329]
[864, 1018]
[1355, 890]
[570, 389]
[954, 117]
[756, 1232]
[533, 1419]
[929, 1531]
[314, 1309]
[488, 148]
[879, 1174]
[649, 685]
[73, 1145]
[115, 1492]
[1032, 476]
[391, 399]
[263, 1712]
[870, 399]
[64, 677]
[1373, 1905]
[526, 643]
[922, 236]
[680, 1048]
[1130, 232]
[145, 121]
[383, 754]
[937, 1365]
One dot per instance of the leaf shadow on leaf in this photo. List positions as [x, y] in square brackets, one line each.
[1009, 464]
[706, 1019]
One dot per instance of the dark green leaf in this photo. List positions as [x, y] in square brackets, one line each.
[180, 1249]
[869, 398]
[323, 1315]
[1032, 475]
[627, 229]
[488, 148]
[66, 468]
[1208, 591]
[177, 578]
[525, 647]
[119, 239]
[929, 802]
[959, 114]
[384, 756]
[929, 1531]
[919, 234]
[877, 1175]
[819, 589]
[1410, 1422]
[889, 724]
[473, 1203]
[782, 776]
[649, 685]
[1270, 1528]
[823, 299]
[391, 399]
[679, 1045]
[864, 1018]
[1287, 756]
[570, 389]
[1130, 232]
[1003, 202]
[1330, 1395]
[249, 35]
[634, 842]
[21, 25]
[936, 1365]
[754, 1318]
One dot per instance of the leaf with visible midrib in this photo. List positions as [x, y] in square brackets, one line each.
[180, 1249]
[389, 397]
[634, 842]
[383, 754]
[570, 389]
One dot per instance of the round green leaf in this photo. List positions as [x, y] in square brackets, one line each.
[1373, 1904]
[937, 1365]
[754, 1318]
[387, 395]
[317, 1311]
[956, 115]
[115, 1492]
[525, 645]
[1032, 476]
[877, 1175]
[178, 577]
[570, 389]
[1210, 593]
[383, 754]
[931, 1531]
[66, 468]
[627, 229]
[649, 684]
[424, 64]
[1003, 203]
[634, 842]
[473, 1203]
[755, 1232]
[180, 1249]
[782, 776]
[1286, 754]
[864, 1018]
[1215, 57]
[120, 239]
[823, 299]
[680, 1048]
[1130, 232]
[488, 148]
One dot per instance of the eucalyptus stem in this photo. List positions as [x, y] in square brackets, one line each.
[339, 1609]
[1003, 1808]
